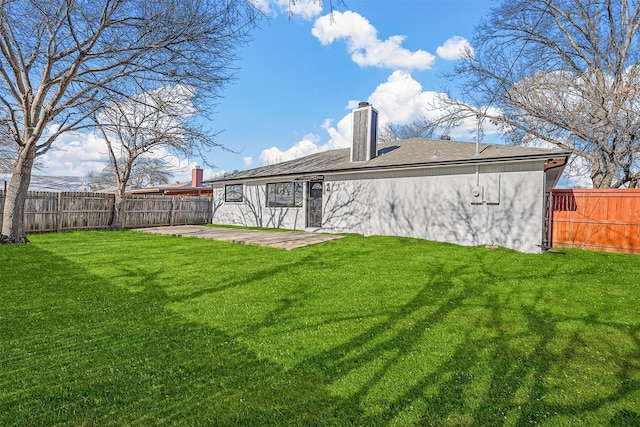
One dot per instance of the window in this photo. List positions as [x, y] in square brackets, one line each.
[284, 194]
[233, 193]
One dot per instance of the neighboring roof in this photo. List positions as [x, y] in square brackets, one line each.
[51, 183]
[179, 188]
[410, 153]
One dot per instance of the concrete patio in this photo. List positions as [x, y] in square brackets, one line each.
[287, 240]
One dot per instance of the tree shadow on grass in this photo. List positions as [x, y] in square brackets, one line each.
[82, 351]
[509, 363]
[75, 349]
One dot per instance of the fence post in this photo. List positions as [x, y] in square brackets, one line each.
[173, 211]
[123, 213]
[548, 221]
[59, 219]
[2, 193]
[210, 209]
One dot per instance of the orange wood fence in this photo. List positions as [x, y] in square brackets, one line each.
[596, 219]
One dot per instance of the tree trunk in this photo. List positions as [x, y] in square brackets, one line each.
[13, 227]
[603, 172]
[117, 222]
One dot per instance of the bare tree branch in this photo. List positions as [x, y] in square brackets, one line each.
[142, 131]
[146, 172]
[61, 61]
[333, 4]
[561, 73]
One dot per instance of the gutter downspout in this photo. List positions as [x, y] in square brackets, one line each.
[548, 219]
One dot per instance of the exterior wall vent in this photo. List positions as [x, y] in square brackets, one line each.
[365, 133]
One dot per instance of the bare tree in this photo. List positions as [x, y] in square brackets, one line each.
[146, 172]
[421, 127]
[7, 156]
[7, 149]
[141, 130]
[561, 73]
[62, 60]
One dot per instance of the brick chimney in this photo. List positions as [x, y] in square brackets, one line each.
[196, 177]
[365, 133]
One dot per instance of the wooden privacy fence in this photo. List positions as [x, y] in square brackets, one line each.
[145, 210]
[47, 211]
[596, 219]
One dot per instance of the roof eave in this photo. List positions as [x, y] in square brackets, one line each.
[375, 168]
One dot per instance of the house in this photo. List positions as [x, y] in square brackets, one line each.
[457, 192]
[193, 188]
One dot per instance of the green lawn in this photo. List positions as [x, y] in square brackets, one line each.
[113, 328]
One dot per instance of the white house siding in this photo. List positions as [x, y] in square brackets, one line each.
[430, 203]
[253, 210]
[436, 204]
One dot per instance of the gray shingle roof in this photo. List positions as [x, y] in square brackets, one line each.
[410, 153]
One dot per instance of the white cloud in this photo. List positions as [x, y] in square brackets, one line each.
[400, 100]
[74, 154]
[302, 8]
[300, 149]
[365, 47]
[454, 48]
[77, 153]
[210, 173]
[340, 135]
[248, 161]
[180, 168]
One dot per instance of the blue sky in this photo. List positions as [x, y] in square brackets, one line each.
[300, 76]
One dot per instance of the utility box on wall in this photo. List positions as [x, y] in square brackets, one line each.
[487, 192]
[477, 195]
